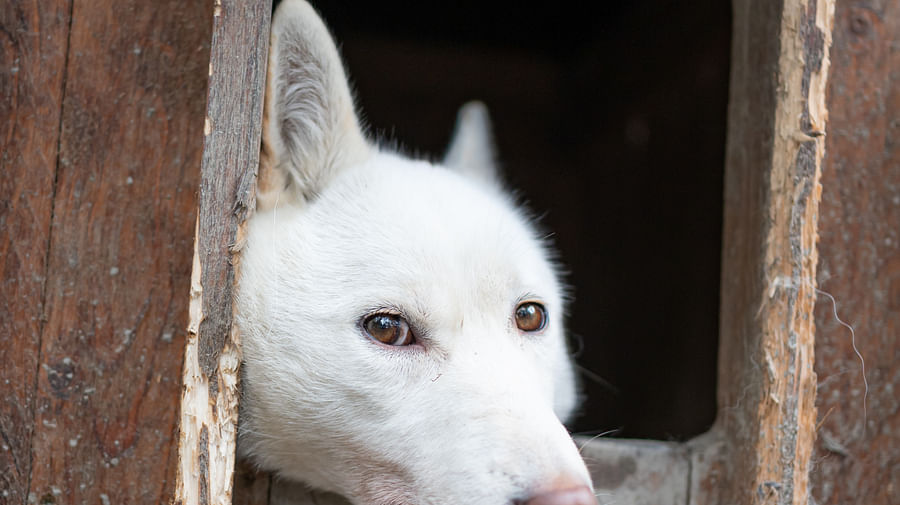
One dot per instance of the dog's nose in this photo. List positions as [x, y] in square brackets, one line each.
[581, 495]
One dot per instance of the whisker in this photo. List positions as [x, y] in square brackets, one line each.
[596, 378]
[595, 437]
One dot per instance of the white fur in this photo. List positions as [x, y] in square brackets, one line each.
[471, 152]
[472, 415]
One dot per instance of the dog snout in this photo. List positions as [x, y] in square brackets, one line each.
[564, 490]
[581, 495]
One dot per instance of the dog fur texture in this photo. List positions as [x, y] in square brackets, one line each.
[470, 413]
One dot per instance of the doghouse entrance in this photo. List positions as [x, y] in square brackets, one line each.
[610, 120]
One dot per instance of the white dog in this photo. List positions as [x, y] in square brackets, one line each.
[402, 324]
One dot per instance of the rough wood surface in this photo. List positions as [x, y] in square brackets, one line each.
[775, 145]
[232, 129]
[858, 448]
[33, 43]
[124, 113]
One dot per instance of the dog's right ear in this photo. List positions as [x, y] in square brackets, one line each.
[310, 129]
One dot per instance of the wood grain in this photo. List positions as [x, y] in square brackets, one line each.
[775, 145]
[118, 261]
[858, 448]
[33, 43]
[232, 129]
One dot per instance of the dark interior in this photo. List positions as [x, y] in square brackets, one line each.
[610, 121]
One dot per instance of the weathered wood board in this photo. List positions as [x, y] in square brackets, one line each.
[232, 131]
[776, 134]
[100, 168]
[857, 454]
[33, 45]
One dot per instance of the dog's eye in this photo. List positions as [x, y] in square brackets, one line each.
[389, 329]
[531, 316]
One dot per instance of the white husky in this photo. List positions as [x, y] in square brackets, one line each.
[402, 324]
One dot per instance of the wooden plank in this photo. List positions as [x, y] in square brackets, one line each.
[775, 146]
[33, 43]
[119, 259]
[858, 447]
[233, 128]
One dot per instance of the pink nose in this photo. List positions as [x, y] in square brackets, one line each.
[581, 495]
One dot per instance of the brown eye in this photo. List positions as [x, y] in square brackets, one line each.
[531, 316]
[389, 329]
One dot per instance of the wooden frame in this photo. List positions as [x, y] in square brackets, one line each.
[760, 447]
[232, 131]
[99, 191]
[775, 148]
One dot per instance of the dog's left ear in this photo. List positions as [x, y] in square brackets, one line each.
[471, 151]
[310, 131]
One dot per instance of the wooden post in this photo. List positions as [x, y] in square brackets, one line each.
[759, 450]
[100, 130]
[233, 127]
[31, 90]
[858, 448]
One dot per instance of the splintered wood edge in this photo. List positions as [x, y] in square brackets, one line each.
[211, 373]
[760, 448]
[208, 431]
[786, 409]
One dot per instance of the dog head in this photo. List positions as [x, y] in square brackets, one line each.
[402, 323]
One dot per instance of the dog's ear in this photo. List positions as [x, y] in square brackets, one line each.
[310, 129]
[471, 151]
